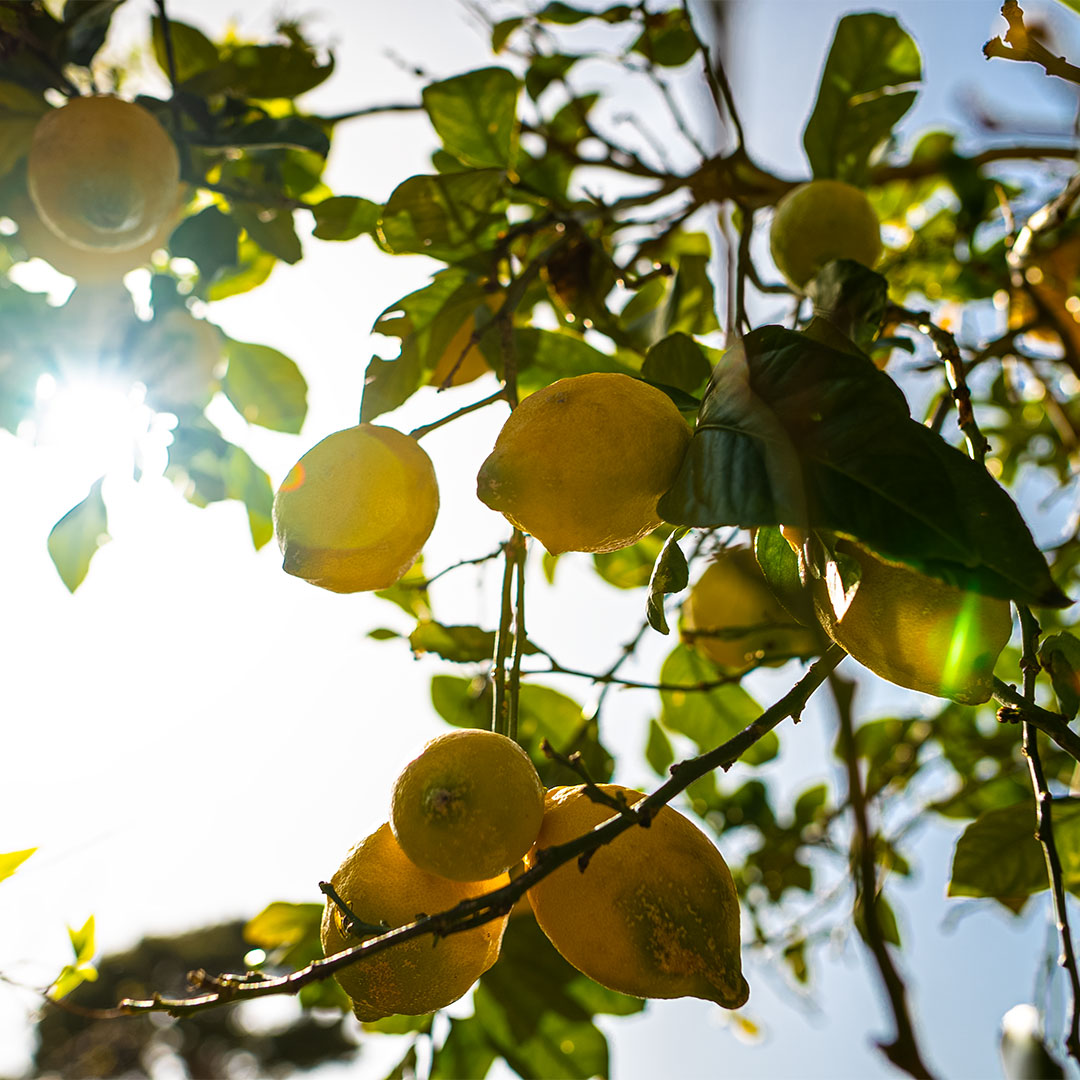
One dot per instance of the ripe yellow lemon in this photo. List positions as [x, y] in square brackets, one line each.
[917, 631]
[821, 221]
[102, 173]
[381, 886]
[654, 914]
[582, 463]
[87, 267]
[732, 596]
[469, 807]
[355, 510]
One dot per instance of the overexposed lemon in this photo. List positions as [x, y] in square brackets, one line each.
[654, 913]
[917, 631]
[103, 173]
[582, 463]
[355, 510]
[821, 221]
[732, 595]
[381, 886]
[469, 807]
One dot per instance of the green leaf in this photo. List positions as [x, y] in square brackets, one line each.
[668, 39]
[86, 25]
[449, 216]
[75, 538]
[658, 751]
[998, 856]
[283, 924]
[20, 111]
[501, 31]
[670, 575]
[890, 930]
[193, 51]
[466, 1051]
[1059, 654]
[82, 970]
[780, 565]
[677, 361]
[278, 132]
[273, 230]
[474, 116]
[265, 386]
[544, 69]
[408, 594]
[793, 431]
[215, 469]
[709, 717]
[546, 355]
[209, 239]
[11, 861]
[344, 217]
[850, 298]
[631, 567]
[691, 304]
[859, 100]
[1072, 5]
[460, 644]
[263, 71]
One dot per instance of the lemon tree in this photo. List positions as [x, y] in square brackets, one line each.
[808, 417]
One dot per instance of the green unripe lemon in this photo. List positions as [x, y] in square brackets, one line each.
[821, 221]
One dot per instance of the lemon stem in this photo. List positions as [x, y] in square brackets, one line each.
[500, 722]
[514, 687]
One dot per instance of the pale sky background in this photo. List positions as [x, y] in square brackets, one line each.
[188, 668]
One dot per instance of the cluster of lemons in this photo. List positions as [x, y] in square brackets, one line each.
[656, 915]
[580, 465]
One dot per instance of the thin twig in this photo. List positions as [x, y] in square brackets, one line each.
[520, 551]
[1044, 828]
[426, 429]
[1021, 46]
[476, 561]
[481, 909]
[717, 80]
[903, 1051]
[500, 713]
[945, 346]
[1019, 709]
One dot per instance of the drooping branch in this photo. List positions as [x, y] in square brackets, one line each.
[1016, 708]
[903, 1051]
[224, 989]
[1044, 827]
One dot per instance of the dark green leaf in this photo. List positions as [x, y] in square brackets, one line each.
[86, 25]
[209, 239]
[273, 230]
[563, 14]
[670, 575]
[859, 100]
[780, 565]
[345, 217]
[677, 361]
[448, 216]
[668, 39]
[265, 386]
[263, 71]
[75, 538]
[405, 1069]
[275, 132]
[466, 1051]
[794, 431]
[461, 644]
[709, 717]
[851, 298]
[473, 114]
[193, 51]
[501, 31]
[546, 69]
[1059, 654]
[890, 931]
[658, 751]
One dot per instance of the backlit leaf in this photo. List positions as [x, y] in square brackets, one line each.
[670, 575]
[345, 217]
[265, 386]
[75, 538]
[11, 861]
[859, 99]
[473, 114]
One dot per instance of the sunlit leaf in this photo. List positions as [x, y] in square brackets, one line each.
[670, 575]
[473, 114]
[345, 217]
[76, 537]
[265, 386]
[859, 99]
[11, 861]
[193, 51]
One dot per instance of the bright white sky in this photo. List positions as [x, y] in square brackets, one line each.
[194, 733]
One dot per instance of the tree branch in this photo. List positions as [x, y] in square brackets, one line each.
[1044, 828]
[1020, 45]
[903, 1051]
[224, 989]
